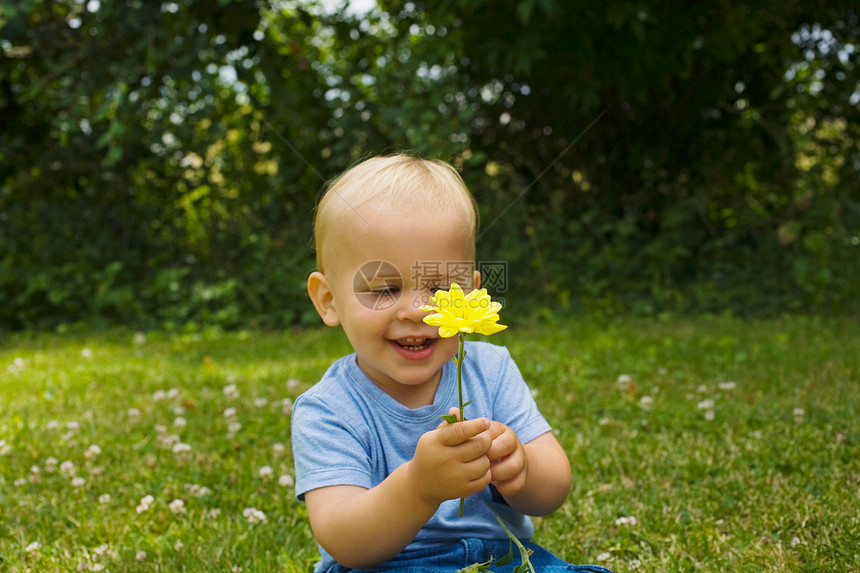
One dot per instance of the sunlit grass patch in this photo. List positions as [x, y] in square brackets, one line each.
[697, 445]
[130, 451]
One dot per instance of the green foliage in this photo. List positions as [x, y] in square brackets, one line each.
[160, 161]
[662, 147]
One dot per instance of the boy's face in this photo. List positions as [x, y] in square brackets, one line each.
[385, 268]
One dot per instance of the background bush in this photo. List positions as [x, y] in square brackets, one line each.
[159, 162]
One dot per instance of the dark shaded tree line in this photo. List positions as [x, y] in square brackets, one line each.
[159, 162]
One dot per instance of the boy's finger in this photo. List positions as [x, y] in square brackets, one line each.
[497, 429]
[452, 411]
[458, 433]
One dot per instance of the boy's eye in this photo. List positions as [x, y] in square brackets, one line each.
[388, 290]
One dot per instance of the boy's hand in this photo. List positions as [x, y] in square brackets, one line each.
[451, 461]
[509, 462]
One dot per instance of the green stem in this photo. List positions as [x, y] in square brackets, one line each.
[524, 553]
[461, 354]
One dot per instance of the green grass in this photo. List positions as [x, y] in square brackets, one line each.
[709, 444]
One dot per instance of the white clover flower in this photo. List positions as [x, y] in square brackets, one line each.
[179, 546]
[133, 412]
[33, 547]
[213, 513]
[727, 386]
[229, 413]
[706, 404]
[710, 415]
[18, 364]
[92, 452]
[629, 520]
[279, 448]
[233, 428]
[158, 395]
[19, 482]
[68, 468]
[51, 465]
[86, 353]
[73, 426]
[179, 411]
[98, 567]
[140, 556]
[603, 557]
[293, 384]
[286, 480]
[231, 392]
[197, 490]
[181, 448]
[172, 393]
[646, 402]
[139, 339]
[180, 422]
[78, 481]
[625, 383]
[104, 498]
[146, 502]
[265, 472]
[287, 406]
[177, 506]
[634, 564]
[52, 425]
[254, 515]
[260, 402]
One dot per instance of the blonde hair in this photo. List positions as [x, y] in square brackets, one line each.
[403, 183]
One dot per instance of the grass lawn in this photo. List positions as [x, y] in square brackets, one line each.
[707, 444]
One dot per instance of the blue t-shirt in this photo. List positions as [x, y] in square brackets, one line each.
[347, 431]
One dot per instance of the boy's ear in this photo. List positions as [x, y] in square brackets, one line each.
[323, 298]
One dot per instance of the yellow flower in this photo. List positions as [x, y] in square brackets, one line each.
[456, 312]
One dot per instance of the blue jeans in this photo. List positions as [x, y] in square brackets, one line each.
[465, 552]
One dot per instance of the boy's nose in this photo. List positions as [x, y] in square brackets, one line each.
[410, 305]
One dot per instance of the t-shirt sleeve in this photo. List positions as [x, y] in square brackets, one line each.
[326, 450]
[513, 403]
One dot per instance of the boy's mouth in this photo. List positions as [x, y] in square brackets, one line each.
[414, 344]
[414, 348]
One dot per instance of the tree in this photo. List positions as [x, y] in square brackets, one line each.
[161, 160]
[690, 172]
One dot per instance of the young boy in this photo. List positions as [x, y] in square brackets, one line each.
[380, 474]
